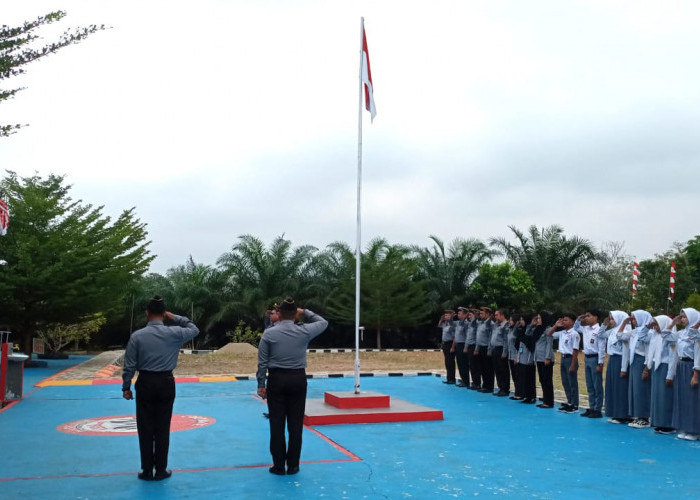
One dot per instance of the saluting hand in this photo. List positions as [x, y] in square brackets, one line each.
[168, 315]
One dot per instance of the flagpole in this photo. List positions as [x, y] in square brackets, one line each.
[358, 251]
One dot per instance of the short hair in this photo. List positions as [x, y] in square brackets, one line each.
[288, 308]
[571, 316]
[156, 305]
[593, 312]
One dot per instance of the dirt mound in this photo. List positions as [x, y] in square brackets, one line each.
[238, 348]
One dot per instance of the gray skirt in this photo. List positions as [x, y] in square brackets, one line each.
[639, 390]
[686, 400]
[616, 389]
[661, 398]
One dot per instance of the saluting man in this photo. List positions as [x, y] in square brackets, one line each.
[153, 351]
[282, 380]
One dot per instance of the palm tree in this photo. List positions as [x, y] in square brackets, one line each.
[562, 268]
[448, 274]
[391, 294]
[257, 276]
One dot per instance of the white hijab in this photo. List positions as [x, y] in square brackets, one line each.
[657, 342]
[642, 318]
[619, 317]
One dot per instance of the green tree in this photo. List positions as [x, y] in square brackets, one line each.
[57, 336]
[503, 286]
[65, 259]
[16, 51]
[561, 267]
[448, 273]
[391, 293]
[257, 276]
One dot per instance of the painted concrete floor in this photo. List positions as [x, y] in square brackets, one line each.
[486, 446]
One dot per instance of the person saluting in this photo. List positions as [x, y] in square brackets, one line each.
[153, 352]
[282, 380]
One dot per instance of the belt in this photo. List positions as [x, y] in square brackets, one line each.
[156, 374]
[686, 359]
[286, 370]
[566, 355]
[591, 355]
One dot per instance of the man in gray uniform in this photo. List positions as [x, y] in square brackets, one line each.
[153, 351]
[482, 352]
[282, 362]
[460, 339]
[499, 352]
[446, 324]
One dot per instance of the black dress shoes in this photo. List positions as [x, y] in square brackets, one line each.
[277, 470]
[146, 475]
[163, 474]
[448, 382]
[292, 470]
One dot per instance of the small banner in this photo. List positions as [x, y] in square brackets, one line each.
[38, 346]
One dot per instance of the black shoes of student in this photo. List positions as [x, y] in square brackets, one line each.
[569, 409]
[501, 394]
[530, 401]
[475, 387]
[595, 414]
[292, 470]
[163, 474]
[516, 398]
[544, 405]
[586, 413]
[449, 382]
[277, 470]
[485, 390]
[461, 384]
[146, 475]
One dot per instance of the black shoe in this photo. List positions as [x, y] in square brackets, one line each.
[461, 384]
[164, 474]
[571, 409]
[277, 470]
[475, 387]
[595, 414]
[485, 390]
[448, 382]
[516, 398]
[266, 415]
[543, 405]
[586, 413]
[564, 407]
[292, 470]
[146, 476]
[502, 394]
[529, 401]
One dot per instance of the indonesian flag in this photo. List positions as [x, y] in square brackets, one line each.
[367, 77]
[4, 216]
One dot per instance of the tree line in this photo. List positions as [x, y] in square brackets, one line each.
[65, 263]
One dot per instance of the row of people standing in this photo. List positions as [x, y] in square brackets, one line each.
[645, 355]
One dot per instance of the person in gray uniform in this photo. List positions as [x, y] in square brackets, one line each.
[482, 352]
[282, 380]
[474, 367]
[498, 345]
[446, 324]
[153, 351]
[460, 338]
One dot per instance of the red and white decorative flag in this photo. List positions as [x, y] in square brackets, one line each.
[635, 278]
[367, 77]
[4, 216]
[672, 282]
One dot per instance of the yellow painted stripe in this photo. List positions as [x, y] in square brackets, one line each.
[218, 379]
[64, 382]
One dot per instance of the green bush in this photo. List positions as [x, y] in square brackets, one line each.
[243, 333]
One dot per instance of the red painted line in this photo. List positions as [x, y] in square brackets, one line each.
[9, 405]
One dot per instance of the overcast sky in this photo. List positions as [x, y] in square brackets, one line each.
[221, 118]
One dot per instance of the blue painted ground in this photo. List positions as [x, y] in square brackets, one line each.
[485, 446]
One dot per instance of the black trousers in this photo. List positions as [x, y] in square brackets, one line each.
[462, 362]
[546, 372]
[486, 367]
[500, 368]
[155, 395]
[449, 360]
[526, 375]
[286, 402]
[515, 371]
[474, 365]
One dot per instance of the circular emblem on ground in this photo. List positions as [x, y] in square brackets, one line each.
[124, 425]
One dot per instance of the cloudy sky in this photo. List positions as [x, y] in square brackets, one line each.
[221, 118]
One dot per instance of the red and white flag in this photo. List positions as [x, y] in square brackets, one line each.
[4, 216]
[367, 77]
[635, 279]
[672, 282]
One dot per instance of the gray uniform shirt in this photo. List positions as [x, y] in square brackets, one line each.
[544, 348]
[483, 333]
[460, 331]
[471, 332]
[283, 345]
[155, 347]
[499, 334]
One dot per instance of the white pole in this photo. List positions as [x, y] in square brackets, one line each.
[358, 252]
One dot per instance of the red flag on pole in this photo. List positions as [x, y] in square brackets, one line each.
[367, 77]
[672, 282]
[635, 278]
[4, 216]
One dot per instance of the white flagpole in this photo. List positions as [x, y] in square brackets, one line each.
[358, 251]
